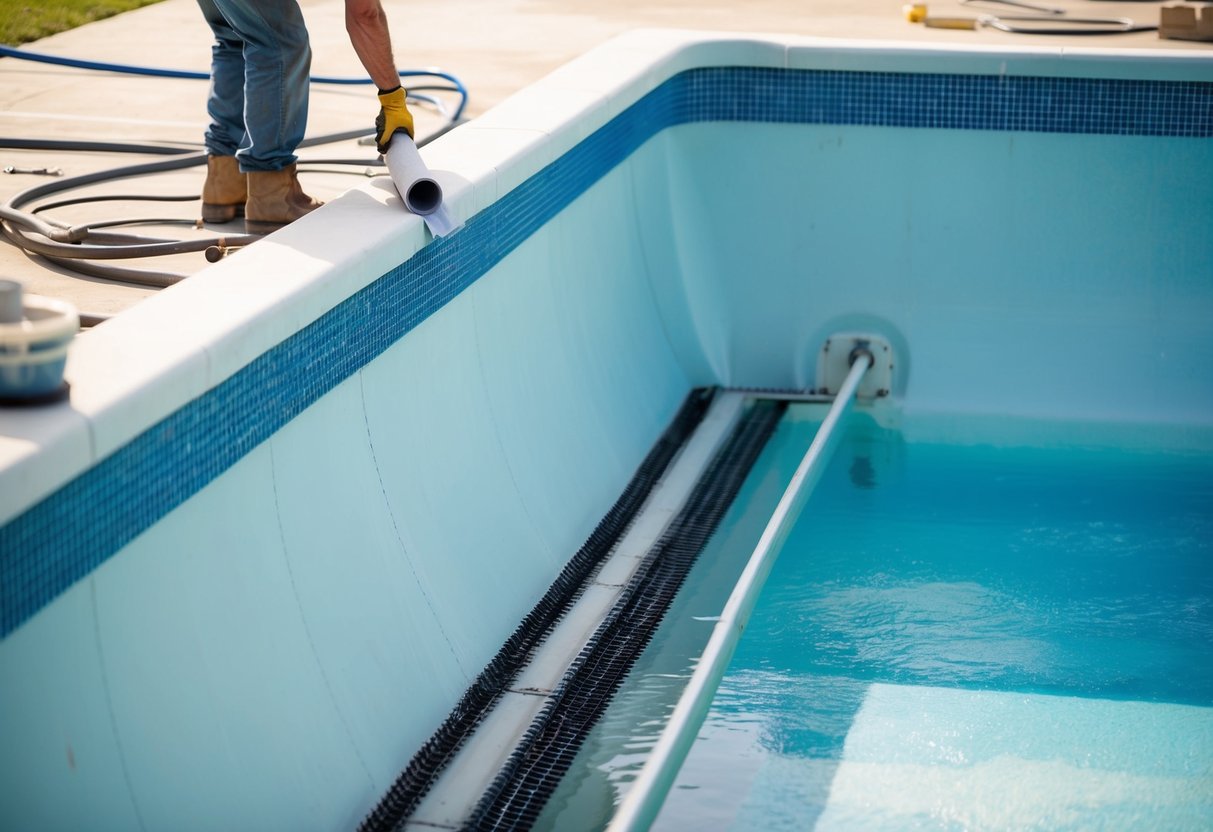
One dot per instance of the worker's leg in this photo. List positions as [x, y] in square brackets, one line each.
[225, 190]
[277, 64]
[225, 104]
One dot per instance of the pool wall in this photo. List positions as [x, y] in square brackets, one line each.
[297, 502]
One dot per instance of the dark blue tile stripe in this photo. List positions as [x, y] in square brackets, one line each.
[70, 533]
[960, 102]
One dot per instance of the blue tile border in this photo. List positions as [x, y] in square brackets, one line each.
[958, 102]
[74, 530]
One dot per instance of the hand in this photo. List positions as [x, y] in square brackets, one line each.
[393, 115]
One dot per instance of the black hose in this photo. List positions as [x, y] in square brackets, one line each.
[11, 213]
[14, 219]
[70, 246]
[94, 236]
[94, 147]
[120, 239]
[54, 250]
[120, 274]
[48, 188]
[84, 251]
[46, 206]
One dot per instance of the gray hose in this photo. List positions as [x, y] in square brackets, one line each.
[69, 246]
[120, 274]
[38, 226]
[94, 147]
[83, 251]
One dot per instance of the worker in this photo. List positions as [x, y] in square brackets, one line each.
[260, 69]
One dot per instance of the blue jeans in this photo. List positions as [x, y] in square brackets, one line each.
[260, 65]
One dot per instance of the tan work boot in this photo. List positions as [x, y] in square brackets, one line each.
[225, 189]
[275, 198]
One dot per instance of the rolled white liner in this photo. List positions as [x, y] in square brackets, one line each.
[420, 191]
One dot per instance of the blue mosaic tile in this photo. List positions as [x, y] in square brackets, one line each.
[67, 535]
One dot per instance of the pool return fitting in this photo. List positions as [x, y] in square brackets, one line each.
[855, 366]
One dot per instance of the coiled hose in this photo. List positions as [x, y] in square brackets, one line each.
[71, 247]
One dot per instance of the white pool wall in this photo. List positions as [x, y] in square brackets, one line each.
[272, 651]
[1038, 275]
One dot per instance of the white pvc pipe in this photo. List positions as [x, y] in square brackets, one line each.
[642, 803]
[419, 190]
[421, 193]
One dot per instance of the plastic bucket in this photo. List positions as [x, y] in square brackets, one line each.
[33, 351]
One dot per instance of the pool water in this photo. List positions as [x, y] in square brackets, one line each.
[955, 636]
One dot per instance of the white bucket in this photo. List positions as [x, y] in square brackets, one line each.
[33, 351]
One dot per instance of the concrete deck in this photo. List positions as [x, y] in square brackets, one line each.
[494, 46]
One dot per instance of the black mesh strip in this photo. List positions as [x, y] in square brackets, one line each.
[417, 778]
[533, 771]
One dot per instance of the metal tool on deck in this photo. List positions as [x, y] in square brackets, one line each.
[35, 171]
[1048, 23]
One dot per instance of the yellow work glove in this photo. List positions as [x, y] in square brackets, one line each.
[393, 115]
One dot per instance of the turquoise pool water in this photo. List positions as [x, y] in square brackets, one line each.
[955, 636]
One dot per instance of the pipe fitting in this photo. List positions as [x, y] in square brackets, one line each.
[861, 349]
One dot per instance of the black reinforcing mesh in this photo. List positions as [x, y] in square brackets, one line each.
[528, 778]
[422, 771]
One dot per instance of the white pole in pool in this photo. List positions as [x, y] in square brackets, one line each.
[642, 803]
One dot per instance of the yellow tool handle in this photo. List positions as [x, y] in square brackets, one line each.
[917, 13]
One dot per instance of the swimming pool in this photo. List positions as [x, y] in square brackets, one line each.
[268, 545]
[995, 634]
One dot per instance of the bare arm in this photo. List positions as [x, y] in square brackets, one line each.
[366, 23]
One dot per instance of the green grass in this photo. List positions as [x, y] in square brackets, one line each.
[24, 20]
